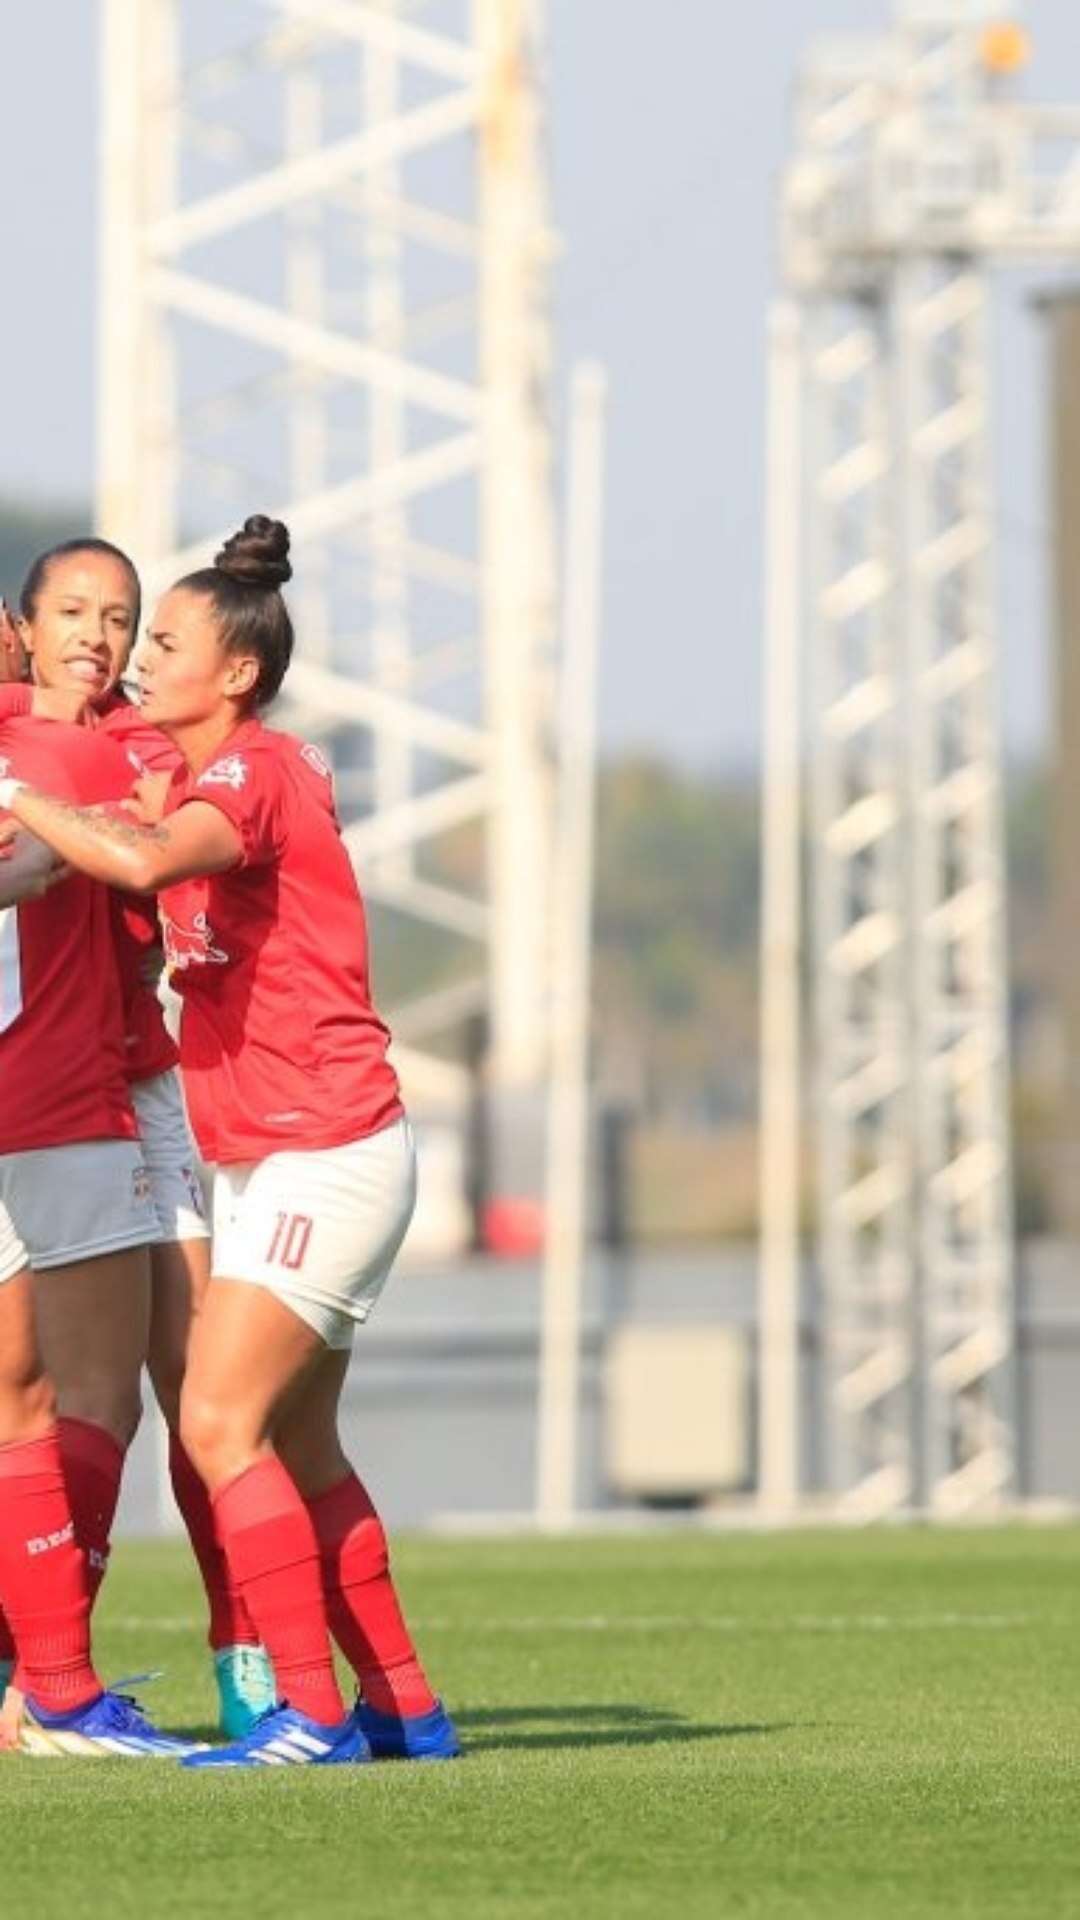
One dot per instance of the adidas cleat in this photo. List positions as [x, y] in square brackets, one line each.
[285, 1738]
[245, 1684]
[112, 1727]
[416, 1736]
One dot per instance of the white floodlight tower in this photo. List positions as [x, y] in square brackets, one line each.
[324, 259]
[916, 170]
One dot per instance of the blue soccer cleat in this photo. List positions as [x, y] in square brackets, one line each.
[112, 1727]
[417, 1736]
[285, 1738]
[245, 1684]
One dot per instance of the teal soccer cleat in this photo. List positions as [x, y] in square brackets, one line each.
[285, 1738]
[245, 1684]
[417, 1736]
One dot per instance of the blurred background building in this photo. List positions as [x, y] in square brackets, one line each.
[343, 258]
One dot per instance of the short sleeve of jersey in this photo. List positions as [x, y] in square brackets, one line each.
[249, 790]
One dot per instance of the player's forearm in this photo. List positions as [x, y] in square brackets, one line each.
[95, 840]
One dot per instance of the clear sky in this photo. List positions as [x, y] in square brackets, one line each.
[668, 128]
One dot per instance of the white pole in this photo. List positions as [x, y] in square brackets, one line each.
[778, 1306]
[570, 954]
[120, 310]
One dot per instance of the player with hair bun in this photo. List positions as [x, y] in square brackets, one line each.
[296, 1106]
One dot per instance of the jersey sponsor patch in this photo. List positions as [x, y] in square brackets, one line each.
[191, 946]
[230, 772]
[316, 759]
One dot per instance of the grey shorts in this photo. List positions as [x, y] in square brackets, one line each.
[78, 1202]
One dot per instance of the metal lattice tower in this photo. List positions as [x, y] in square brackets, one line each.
[916, 170]
[324, 262]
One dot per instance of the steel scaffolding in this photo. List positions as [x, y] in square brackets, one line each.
[324, 261]
[916, 170]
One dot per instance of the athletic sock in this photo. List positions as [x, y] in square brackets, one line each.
[273, 1557]
[43, 1576]
[93, 1469]
[231, 1624]
[364, 1612]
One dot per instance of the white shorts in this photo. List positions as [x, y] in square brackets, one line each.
[171, 1159]
[78, 1202]
[13, 1255]
[320, 1230]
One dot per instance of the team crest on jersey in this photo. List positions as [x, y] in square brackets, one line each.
[230, 772]
[317, 761]
[192, 946]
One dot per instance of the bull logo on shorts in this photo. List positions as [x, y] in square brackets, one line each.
[192, 946]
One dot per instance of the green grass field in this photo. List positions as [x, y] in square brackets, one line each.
[668, 1724]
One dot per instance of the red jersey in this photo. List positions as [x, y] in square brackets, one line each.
[149, 1048]
[280, 1045]
[62, 1076]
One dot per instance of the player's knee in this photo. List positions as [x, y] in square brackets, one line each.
[213, 1434]
[114, 1405]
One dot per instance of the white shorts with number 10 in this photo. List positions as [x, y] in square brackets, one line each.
[320, 1230]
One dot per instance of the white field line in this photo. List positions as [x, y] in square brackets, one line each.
[659, 1623]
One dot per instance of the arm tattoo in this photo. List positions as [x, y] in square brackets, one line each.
[113, 828]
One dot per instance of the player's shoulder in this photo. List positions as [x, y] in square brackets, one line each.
[257, 750]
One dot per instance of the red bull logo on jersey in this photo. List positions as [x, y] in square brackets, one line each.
[193, 946]
[230, 772]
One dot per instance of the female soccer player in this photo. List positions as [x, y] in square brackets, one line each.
[293, 1100]
[79, 611]
[71, 1178]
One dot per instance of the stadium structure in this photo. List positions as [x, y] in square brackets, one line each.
[918, 170]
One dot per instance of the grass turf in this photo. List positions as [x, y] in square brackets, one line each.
[825, 1725]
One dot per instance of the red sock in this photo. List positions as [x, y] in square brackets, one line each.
[93, 1469]
[270, 1545]
[230, 1622]
[43, 1580]
[365, 1617]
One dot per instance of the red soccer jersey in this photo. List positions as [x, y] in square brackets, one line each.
[149, 1048]
[62, 1069]
[280, 1045]
[16, 699]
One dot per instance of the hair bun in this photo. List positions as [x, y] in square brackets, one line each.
[257, 556]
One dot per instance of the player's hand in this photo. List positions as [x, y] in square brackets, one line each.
[12, 656]
[146, 801]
